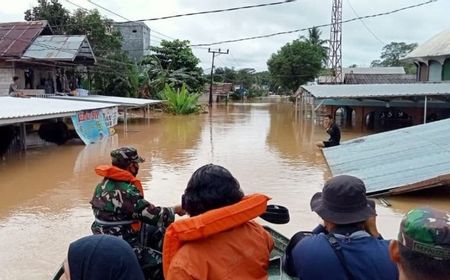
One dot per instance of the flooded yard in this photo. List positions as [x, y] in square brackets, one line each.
[45, 193]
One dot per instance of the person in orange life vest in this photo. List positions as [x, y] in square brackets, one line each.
[219, 240]
[120, 209]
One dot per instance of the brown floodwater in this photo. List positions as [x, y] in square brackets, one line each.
[45, 193]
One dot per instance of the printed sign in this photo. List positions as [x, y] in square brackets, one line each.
[90, 126]
[111, 116]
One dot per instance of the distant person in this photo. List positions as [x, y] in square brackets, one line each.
[102, 257]
[334, 132]
[14, 88]
[422, 251]
[348, 245]
[121, 210]
[220, 240]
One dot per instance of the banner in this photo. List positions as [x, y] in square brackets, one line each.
[111, 116]
[90, 126]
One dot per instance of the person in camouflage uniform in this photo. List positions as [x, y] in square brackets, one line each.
[422, 250]
[120, 209]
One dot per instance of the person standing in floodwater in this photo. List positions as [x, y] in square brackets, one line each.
[334, 132]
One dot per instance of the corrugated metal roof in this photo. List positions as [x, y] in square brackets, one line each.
[374, 70]
[398, 161]
[365, 70]
[378, 90]
[15, 37]
[439, 45]
[358, 79]
[123, 101]
[60, 47]
[16, 110]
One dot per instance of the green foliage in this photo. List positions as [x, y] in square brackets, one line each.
[180, 102]
[295, 64]
[122, 81]
[102, 35]
[156, 77]
[173, 63]
[314, 39]
[52, 11]
[392, 54]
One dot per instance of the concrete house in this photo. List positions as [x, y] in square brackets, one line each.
[135, 39]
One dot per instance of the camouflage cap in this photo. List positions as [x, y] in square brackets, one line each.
[126, 155]
[427, 231]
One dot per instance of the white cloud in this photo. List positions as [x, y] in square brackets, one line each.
[359, 46]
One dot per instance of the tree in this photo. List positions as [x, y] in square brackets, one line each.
[392, 54]
[175, 58]
[313, 38]
[295, 64]
[104, 38]
[52, 11]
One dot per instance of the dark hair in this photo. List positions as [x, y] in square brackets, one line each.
[15, 78]
[210, 187]
[329, 116]
[419, 266]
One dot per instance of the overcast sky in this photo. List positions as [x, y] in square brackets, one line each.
[359, 46]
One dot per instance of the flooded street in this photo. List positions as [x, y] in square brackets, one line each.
[44, 195]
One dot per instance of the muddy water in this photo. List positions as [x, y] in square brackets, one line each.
[44, 194]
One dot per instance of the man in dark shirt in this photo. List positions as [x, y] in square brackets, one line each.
[14, 88]
[334, 132]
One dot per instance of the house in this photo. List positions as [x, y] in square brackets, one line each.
[135, 39]
[432, 58]
[30, 51]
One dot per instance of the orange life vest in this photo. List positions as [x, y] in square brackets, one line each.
[118, 174]
[210, 223]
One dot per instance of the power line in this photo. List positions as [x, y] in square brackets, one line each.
[218, 11]
[365, 25]
[319, 26]
[128, 20]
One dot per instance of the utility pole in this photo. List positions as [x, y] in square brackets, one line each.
[214, 52]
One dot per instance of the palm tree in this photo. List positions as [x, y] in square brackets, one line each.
[313, 38]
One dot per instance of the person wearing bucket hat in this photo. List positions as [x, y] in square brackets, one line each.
[120, 209]
[348, 243]
[422, 250]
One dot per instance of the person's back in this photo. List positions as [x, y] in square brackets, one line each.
[348, 245]
[239, 253]
[366, 257]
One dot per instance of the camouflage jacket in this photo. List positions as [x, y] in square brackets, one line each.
[118, 199]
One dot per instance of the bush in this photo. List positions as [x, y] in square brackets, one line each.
[180, 102]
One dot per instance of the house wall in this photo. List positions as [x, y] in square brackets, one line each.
[6, 75]
[135, 39]
[446, 70]
[435, 71]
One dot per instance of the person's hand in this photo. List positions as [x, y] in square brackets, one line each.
[179, 210]
[370, 225]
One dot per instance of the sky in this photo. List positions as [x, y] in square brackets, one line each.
[359, 45]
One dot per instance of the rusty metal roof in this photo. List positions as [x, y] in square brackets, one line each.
[61, 48]
[397, 161]
[16, 37]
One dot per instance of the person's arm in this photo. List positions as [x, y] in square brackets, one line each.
[149, 213]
